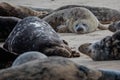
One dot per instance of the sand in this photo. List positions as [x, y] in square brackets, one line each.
[73, 39]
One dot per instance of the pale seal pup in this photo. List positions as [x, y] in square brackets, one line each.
[76, 20]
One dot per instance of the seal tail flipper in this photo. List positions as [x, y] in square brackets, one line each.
[103, 27]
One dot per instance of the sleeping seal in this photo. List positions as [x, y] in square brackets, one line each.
[76, 20]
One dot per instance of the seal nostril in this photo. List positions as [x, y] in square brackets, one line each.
[80, 29]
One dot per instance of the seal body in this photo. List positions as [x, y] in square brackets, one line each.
[104, 15]
[7, 9]
[6, 26]
[28, 56]
[76, 20]
[105, 49]
[56, 68]
[34, 34]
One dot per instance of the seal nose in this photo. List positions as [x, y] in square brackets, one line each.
[84, 48]
[80, 29]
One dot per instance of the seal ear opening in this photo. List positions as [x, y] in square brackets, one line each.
[90, 74]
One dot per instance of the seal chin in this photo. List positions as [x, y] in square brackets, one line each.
[80, 28]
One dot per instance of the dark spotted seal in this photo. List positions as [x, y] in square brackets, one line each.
[76, 20]
[104, 15]
[34, 34]
[115, 26]
[6, 58]
[7, 9]
[106, 49]
[28, 56]
[55, 68]
[6, 26]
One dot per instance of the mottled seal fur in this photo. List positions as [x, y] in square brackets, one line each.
[7, 9]
[76, 20]
[103, 14]
[6, 26]
[55, 68]
[28, 56]
[115, 26]
[6, 58]
[106, 49]
[34, 34]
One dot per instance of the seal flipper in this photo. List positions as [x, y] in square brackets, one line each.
[102, 27]
[62, 29]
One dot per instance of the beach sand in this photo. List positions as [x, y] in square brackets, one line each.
[73, 39]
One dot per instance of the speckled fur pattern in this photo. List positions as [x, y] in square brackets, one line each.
[106, 49]
[7, 9]
[34, 34]
[6, 26]
[104, 15]
[75, 20]
[55, 68]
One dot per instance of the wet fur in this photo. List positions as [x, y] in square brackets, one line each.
[34, 34]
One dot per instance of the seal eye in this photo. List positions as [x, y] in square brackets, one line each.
[84, 24]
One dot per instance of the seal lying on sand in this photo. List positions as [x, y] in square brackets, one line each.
[115, 26]
[7, 9]
[28, 56]
[76, 20]
[6, 58]
[6, 26]
[104, 15]
[34, 34]
[106, 49]
[55, 68]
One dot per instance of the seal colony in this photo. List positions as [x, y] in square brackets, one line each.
[76, 20]
[56, 68]
[107, 48]
[37, 35]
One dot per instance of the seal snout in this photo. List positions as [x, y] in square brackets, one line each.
[84, 48]
[80, 28]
